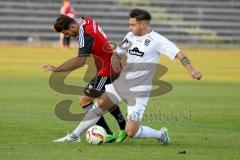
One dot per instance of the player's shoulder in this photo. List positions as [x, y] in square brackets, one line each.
[129, 35]
[88, 20]
[154, 35]
[157, 37]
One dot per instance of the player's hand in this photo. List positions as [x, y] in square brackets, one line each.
[196, 75]
[116, 64]
[48, 67]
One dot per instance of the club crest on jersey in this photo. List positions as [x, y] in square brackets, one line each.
[147, 42]
[135, 51]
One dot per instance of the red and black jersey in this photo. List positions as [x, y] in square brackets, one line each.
[93, 41]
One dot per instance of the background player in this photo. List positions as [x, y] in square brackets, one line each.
[69, 11]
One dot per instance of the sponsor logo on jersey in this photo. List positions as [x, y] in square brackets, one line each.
[135, 51]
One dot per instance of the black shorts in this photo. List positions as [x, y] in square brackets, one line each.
[96, 87]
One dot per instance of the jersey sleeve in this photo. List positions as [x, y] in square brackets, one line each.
[123, 46]
[167, 48]
[85, 45]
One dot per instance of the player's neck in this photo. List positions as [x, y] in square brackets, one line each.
[146, 31]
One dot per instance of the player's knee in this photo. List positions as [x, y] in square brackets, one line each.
[85, 101]
[105, 103]
[132, 128]
[131, 132]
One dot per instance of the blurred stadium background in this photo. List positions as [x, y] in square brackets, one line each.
[208, 22]
[208, 31]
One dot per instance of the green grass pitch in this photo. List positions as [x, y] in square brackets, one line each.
[203, 117]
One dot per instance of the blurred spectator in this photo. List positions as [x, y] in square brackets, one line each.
[67, 10]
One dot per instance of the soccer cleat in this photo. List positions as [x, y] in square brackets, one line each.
[69, 138]
[110, 138]
[165, 139]
[121, 136]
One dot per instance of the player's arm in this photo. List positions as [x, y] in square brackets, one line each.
[84, 51]
[69, 65]
[188, 65]
[121, 50]
[116, 62]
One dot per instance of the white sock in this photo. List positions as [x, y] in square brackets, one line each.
[147, 132]
[90, 119]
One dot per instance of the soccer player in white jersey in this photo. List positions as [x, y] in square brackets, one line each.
[143, 47]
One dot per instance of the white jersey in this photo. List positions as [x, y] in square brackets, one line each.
[135, 81]
[143, 53]
[147, 48]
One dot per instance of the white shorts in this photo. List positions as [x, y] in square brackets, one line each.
[134, 112]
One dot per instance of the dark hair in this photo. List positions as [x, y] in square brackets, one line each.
[140, 14]
[63, 23]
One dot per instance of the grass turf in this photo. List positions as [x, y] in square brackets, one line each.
[203, 117]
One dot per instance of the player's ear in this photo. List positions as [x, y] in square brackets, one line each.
[71, 27]
[146, 23]
[53, 29]
[142, 24]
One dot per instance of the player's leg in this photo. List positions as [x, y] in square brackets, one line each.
[94, 90]
[135, 130]
[68, 41]
[87, 104]
[117, 114]
[104, 103]
[61, 39]
[65, 41]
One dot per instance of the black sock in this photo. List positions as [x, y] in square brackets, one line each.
[119, 117]
[101, 122]
[88, 107]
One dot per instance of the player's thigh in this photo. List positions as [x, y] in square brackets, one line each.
[85, 100]
[135, 112]
[135, 115]
[91, 92]
[132, 127]
[95, 88]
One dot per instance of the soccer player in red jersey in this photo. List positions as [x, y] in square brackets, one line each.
[92, 42]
